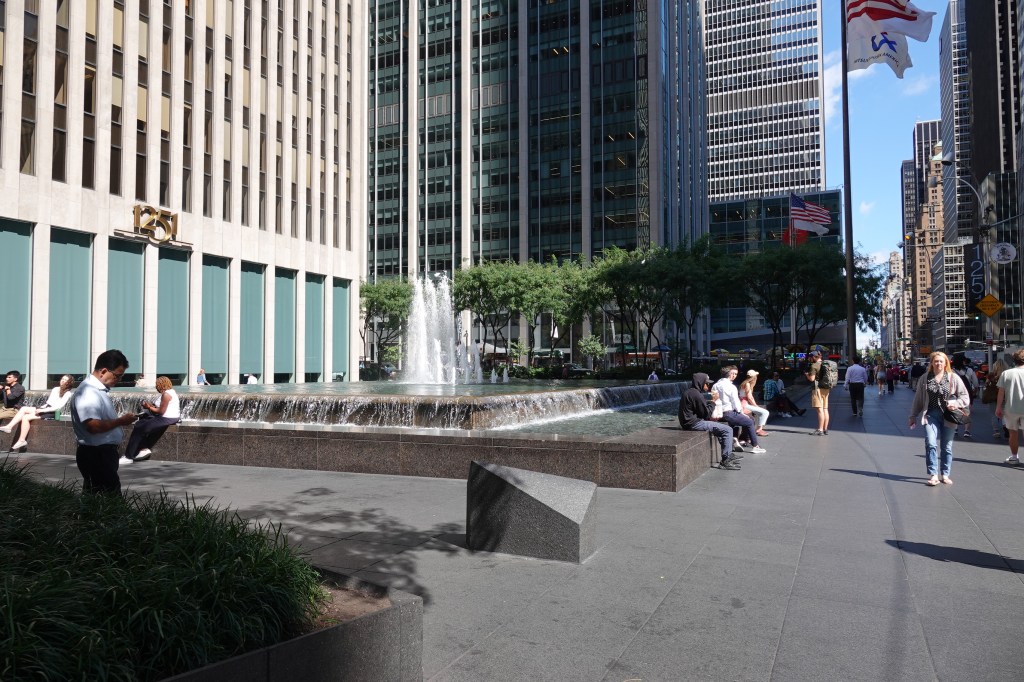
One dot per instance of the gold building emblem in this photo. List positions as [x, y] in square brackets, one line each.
[160, 226]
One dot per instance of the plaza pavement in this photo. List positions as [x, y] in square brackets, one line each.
[825, 559]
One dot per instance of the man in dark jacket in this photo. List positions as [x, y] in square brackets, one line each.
[695, 415]
[13, 394]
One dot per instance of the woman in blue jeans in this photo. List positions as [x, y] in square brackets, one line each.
[939, 388]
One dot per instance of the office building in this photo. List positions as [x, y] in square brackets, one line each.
[765, 98]
[178, 183]
[524, 131]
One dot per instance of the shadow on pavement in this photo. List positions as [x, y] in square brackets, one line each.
[970, 557]
[882, 474]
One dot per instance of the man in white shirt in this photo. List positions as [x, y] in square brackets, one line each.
[732, 410]
[1010, 403]
[856, 381]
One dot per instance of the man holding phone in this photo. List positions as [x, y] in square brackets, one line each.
[97, 426]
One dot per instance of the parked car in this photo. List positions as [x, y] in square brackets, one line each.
[577, 371]
[375, 371]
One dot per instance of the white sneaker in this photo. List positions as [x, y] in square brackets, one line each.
[20, 444]
[125, 460]
[758, 450]
[1012, 460]
[143, 454]
[5, 429]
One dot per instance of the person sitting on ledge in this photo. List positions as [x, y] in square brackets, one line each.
[695, 415]
[155, 420]
[58, 398]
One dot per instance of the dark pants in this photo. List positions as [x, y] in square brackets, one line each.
[98, 466]
[892, 385]
[857, 397]
[146, 433]
[734, 418]
[720, 431]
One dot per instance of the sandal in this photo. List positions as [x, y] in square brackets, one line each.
[762, 433]
[934, 480]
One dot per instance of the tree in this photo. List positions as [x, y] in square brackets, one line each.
[690, 284]
[769, 285]
[822, 296]
[590, 346]
[384, 306]
[634, 294]
[489, 292]
[583, 294]
[537, 290]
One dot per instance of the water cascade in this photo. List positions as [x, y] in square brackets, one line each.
[504, 377]
[433, 352]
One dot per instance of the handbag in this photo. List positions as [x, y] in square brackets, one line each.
[961, 415]
[717, 412]
[990, 393]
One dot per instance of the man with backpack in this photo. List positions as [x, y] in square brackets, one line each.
[823, 375]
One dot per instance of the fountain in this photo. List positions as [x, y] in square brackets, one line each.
[431, 341]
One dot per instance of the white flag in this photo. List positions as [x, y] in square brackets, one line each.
[883, 48]
[872, 17]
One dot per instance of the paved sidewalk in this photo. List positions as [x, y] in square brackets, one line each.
[825, 559]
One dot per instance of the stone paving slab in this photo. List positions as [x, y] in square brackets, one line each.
[825, 558]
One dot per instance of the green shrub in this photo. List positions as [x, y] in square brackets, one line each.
[139, 588]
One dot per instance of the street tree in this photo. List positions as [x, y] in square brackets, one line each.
[689, 282]
[384, 306]
[768, 284]
[489, 291]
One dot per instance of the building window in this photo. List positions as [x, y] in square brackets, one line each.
[28, 89]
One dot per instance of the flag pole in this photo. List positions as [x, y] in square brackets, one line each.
[851, 314]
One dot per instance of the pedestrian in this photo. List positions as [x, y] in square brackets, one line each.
[749, 402]
[856, 380]
[695, 415]
[1010, 403]
[880, 376]
[653, 376]
[156, 419]
[98, 428]
[819, 394]
[990, 393]
[732, 409]
[891, 375]
[938, 391]
[970, 379]
[201, 378]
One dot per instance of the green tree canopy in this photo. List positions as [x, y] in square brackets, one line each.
[384, 306]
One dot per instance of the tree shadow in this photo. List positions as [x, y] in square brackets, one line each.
[960, 555]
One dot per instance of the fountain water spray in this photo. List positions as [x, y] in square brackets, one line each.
[433, 352]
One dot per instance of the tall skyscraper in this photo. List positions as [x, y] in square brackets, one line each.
[765, 98]
[515, 131]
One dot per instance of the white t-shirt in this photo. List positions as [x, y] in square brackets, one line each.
[729, 395]
[173, 406]
[1012, 383]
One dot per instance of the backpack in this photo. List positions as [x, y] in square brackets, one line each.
[828, 375]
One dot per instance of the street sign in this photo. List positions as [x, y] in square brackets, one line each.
[990, 305]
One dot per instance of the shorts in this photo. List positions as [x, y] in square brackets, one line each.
[819, 398]
[1013, 421]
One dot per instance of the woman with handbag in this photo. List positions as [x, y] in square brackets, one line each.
[940, 404]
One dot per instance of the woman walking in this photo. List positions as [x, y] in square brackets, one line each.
[880, 377]
[938, 391]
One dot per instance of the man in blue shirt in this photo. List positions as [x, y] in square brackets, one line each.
[97, 426]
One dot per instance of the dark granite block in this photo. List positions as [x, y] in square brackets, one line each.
[638, 471]
[515, 511]
[449, 461]
[203, 446]
[574, 463]
[358, 456]
[279, 452]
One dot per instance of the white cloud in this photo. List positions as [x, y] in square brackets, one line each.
[921, 86]
[866, 207]
[833, 96]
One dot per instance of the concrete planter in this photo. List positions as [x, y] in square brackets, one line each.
[381, 646]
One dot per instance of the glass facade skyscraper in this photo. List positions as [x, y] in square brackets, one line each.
[525, 130]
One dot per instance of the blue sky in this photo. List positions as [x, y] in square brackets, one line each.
[883, 111]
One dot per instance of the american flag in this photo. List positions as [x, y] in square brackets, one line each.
[877, 10]
[805, 211]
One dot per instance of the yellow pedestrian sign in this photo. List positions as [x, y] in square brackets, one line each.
[990, 305]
